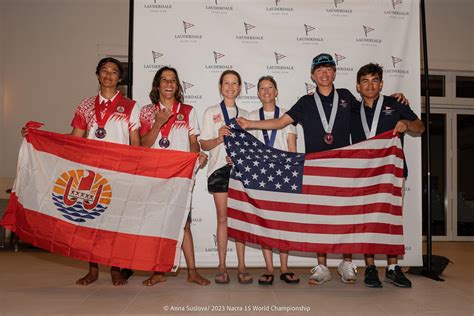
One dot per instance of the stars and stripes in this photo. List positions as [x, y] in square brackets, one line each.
[347, 200]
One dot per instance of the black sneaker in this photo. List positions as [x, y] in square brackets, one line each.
[397, 277]
[371, 278]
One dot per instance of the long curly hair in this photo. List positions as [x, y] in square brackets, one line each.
[155, 92]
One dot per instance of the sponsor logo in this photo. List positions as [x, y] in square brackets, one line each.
[339, 67]
[248, 96]
[248, 86]
[157, 7]
[397, 70]
[81, 195]
[186, 26]
[395, 11]
[337, 10]
[396, 60]
[188, 37]
[218, 67]
[214, 249]
[278, 56]
[155, 56]
[249, 38]
[279, 10]
[219, 8]
[278, 68]
[368, 41]
[186, 87]
[395, 3]
[309, 40]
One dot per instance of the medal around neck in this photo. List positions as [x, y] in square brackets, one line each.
[164, 142]
[100, 132]
[328, 138]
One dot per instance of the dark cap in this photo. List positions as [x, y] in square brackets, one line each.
[322, 59]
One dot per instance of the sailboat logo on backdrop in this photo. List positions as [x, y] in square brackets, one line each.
[156, 55]
[340, 68]
[396, 60]
[81, 195]
[395, 3]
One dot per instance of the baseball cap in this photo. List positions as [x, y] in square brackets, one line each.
[322, 59]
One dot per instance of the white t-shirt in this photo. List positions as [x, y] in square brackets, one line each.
[281, 140]
[186, 124]
[124, 119]
[213, 120]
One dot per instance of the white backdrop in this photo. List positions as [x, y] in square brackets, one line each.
[202, 38]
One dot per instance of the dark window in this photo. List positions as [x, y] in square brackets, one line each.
[437, 85]
[464, 87]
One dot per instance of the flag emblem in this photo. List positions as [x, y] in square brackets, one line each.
[81, 195]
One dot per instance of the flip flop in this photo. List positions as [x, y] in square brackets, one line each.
[268, 279]
[222, 278]
[285, 277]
[241, 277]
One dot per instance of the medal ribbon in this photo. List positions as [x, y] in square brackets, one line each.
[324, 121]
[375, 121]
[269, 141]
[165, 129]
[111, 108]
[226, 114]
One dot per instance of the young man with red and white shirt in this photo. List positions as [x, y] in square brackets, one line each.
[109, 117]
[168, 123]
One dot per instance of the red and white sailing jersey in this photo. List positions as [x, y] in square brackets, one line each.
[118, 126]
[186, 124]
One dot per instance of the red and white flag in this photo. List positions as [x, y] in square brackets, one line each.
[347, 200]
[101, 202]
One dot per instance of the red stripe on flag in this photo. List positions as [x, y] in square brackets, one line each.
[353, 172]
[140, 161]
[362, 248]
[93, 245]
[315, 209]
[357, 153]
[381, 228]
[352, 192]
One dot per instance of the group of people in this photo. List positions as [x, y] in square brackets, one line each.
[331, 118]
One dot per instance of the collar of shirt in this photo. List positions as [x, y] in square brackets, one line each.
[102, 99]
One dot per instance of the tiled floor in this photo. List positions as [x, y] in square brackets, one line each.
[34, 282]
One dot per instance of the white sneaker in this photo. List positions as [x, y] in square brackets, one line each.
[348, 272]
[320, 274]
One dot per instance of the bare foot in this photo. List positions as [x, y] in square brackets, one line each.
[117, 278]
[194, 276]
[88, 278]
[155, 278]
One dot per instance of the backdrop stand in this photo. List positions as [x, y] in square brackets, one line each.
[427, 271]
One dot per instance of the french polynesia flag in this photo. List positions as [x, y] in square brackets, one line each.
[101, 202]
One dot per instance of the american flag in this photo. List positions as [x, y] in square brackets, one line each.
[346, 200]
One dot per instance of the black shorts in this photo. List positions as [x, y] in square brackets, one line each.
[218, 181]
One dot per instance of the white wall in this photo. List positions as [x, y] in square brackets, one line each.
[49, 50]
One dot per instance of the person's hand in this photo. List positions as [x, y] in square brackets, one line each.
[401, 98]
[223, 131]
[202, 159]
[29, 126]
[401, 127]
[24, 131]
[228, 160]
[162, 116]
[243, 122]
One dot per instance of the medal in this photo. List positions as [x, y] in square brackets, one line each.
[328, 139]
[100, 132]
[165, 130]
[327, 126]
[110, 108]
[164, 142]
